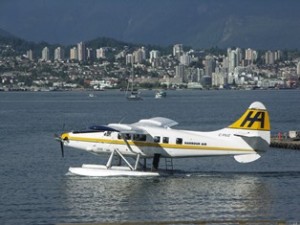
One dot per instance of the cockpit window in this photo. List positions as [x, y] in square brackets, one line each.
[139, 137]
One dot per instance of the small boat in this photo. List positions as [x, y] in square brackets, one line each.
[134, 94]
[91, 95]
[161, 94]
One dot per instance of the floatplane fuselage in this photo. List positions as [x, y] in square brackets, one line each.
[154, 138]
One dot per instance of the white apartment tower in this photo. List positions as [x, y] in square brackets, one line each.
[59, 54]
[154, 54]
[177, 50]
[100, 53]
[45, 54]
[81, 51]
[29, 55]
[298, 68]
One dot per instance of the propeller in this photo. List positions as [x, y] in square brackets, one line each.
[58, 138]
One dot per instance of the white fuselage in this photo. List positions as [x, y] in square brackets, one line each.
[165, 142]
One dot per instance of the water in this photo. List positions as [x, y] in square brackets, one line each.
[36, 189]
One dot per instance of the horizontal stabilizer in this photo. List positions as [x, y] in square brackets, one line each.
[247, 158]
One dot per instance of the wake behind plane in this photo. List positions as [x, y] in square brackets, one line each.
[155, 138]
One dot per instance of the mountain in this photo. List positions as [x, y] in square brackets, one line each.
[267, 24]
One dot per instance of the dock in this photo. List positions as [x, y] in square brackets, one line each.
[285, 143]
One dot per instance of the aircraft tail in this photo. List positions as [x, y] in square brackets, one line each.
[254, 128]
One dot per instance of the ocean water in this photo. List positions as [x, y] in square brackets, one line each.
[36, 188]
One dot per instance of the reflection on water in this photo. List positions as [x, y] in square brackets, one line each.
[197, 197]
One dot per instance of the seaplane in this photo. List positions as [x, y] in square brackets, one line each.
[128, 146]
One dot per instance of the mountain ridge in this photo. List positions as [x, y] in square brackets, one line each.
[268, 24]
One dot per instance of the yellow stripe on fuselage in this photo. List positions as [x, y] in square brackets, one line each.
[150, 144]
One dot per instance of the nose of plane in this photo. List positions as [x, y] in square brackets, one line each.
[64, 136]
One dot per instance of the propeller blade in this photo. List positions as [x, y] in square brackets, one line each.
[62, 148]
[58, 138]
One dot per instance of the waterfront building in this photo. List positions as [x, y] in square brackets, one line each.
[45, 54]
[180, 72]
[209, 65]
[232, 60]
[59, 54]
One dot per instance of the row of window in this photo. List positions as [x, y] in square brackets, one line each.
[143, 137]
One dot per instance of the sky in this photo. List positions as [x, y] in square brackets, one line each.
[199, 23]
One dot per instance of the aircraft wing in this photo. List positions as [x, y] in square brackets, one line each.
[126, 128]
[138, 126]
[156, 122]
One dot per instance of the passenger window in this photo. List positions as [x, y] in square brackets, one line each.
[165, 140]
[179, 141]
[156, 139]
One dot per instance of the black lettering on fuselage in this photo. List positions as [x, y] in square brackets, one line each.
[258, 117]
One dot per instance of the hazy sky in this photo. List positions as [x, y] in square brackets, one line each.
[193, 22]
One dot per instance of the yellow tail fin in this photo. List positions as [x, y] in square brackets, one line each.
[255, 118]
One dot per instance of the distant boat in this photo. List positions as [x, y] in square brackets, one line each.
[134, 94]
[91, 95]
[161, 94]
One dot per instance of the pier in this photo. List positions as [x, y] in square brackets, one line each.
[285, 143]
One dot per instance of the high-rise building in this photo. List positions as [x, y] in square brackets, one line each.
[177, 50]
[139, 55]
[154, 54]
[209, 65]
[45, 54]
[59, 54]
[81, 51]
[73, 53]
[90, 54]
[180, 72]
[269, 57]
[298, 68]
[185, 59]
[100, 53]
[29, 55]
[129, 59]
